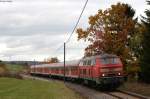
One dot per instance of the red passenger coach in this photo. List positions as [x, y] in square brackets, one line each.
[57, 69]
[71, 69]
[101, 70]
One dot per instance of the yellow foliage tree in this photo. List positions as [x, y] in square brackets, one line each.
[110, 31]
[51, 60]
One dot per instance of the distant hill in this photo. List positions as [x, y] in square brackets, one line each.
[26, 63]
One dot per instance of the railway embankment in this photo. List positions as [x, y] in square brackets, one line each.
[136, 88]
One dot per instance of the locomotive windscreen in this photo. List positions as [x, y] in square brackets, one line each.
[110, 60]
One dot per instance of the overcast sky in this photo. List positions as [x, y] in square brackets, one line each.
[34, 29]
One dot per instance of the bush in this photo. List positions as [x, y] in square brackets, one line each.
[4, 72]
[3, 69]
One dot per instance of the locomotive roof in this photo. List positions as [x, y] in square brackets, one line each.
[60, 64]
[73, 62]
[101, 56]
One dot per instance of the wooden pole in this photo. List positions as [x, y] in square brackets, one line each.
[64, 61]
[34, 69]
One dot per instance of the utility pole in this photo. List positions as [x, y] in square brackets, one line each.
[64, 61]
[34, 66]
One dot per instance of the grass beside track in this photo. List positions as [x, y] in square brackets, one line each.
[11, 88]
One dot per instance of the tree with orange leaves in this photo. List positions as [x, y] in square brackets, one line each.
[51, 60]
[110, 31]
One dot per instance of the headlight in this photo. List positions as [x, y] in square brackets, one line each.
[103, 75]
[119, 74]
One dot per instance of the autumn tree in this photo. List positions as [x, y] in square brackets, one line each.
[51, 60]
[145, 59]
[110, 31]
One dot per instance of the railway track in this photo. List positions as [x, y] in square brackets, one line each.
[129, 95]
[102, 95]
[121, 95]
[90, 93]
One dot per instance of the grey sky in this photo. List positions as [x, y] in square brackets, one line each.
[33, 29]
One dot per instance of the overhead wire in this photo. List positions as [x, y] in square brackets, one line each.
[74, 27]
[77, 22]
[59, 48]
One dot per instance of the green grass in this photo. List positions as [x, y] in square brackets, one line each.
[14, 68]
[11, 88]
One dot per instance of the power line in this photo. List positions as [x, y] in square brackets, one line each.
[73, 28]
[77, 21]
[59, 48]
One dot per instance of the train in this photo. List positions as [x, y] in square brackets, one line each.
[103, 71]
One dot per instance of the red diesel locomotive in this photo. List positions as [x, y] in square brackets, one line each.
[101, 70]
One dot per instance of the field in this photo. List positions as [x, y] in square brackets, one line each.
[14, 68]
[11, 88]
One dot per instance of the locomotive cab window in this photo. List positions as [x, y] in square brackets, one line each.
[89, 62]
[81, 63]
[84, 62]
[93, 62]
[110, 60]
